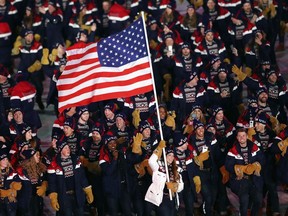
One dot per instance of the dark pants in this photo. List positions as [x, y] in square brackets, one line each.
[123, 200]
[70, 207]
[249, 192]
[7, 209]
[206, 191]
[167, 207]
[99, 202]
[35, 207]
[270, 187]
[188, 198]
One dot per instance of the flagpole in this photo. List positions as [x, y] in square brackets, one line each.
[155, 96]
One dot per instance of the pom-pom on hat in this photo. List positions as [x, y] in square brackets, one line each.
[143, 125]
[179, 139]
[28, 153]
[261, 118]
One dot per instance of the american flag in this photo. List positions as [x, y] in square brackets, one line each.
[117, 66]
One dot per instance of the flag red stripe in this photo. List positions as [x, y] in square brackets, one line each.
[105, 85]
[108, 96]
[99, 75]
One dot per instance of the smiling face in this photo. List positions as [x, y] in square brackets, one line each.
[112, 145]
[4, 163]
[242, 138]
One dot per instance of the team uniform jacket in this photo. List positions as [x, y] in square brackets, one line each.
[56, 180]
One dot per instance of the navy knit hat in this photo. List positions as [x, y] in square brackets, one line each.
[196, 106]
[81, 110]
[143, 125]
[261, 118]
[270, 72]
[222, 69]
[3, 153]
[27, 154]
[109, 136]
[251, 100]
[216, 109]
[214, 59]
[17, 109]
[98, 127]
[4, 71]
[191, 6]
[121, 115]
[197, 124]
[26, 32]
[70, 122]
[185, 45]
[260, 91]
[60, 145]
[111, 106]
[169, 150]
[179, 139]
[168, 35]
[25, 129]
[191, 76]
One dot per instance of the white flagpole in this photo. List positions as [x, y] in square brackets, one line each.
[155, 96]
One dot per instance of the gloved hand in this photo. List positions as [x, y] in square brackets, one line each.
[54, 201]
[188, 129]
[283, 146]
[166, 87]
[238, 71]
[41, 190]
[53, 56]
[250, 133]
[37, 37]
[18, 42]
[173, 186]
[136, 145]
[89, 194]
[249, 169]
[225, 174]
[121, 140]
[45, 54]
[248, 71]
[16, 185]
[94, 167]
[170, 120]
[36, 66]
[257, 168]
[273, 11]
[200, 158]
[239, 170]
[84, 161]
[158, 150]
[141, 168]
[197, 182]
[9, 193]
[136, 118]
